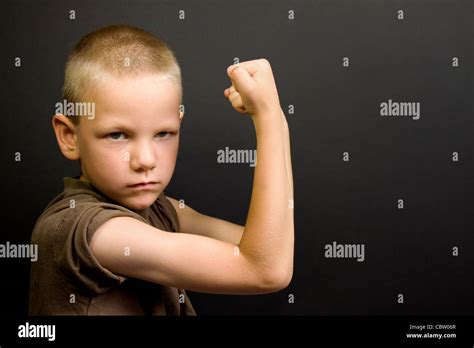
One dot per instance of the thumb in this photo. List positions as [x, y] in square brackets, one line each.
[241, 79]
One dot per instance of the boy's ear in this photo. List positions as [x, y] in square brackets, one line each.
[181, 115]
[66, 136]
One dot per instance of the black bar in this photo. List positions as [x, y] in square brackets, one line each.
[249, 329]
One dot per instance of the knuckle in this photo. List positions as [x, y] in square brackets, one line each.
[264, 62]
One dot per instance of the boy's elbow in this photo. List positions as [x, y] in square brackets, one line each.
[277, 281]
[284, 281]
[269, 277]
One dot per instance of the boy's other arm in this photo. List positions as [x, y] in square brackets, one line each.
[180, 260]
[193, 222]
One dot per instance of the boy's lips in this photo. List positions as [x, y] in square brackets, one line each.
[144, 185]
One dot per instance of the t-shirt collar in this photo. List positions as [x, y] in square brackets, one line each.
[74, 185]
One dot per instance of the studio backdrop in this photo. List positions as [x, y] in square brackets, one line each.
[378, 96]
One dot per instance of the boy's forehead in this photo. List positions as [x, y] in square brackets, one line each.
[135, 120]
[146, 96]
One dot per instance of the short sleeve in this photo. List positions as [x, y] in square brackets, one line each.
[75, 259]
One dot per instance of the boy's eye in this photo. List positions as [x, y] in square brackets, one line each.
[121, 135]
[165, 133]
[115, 135]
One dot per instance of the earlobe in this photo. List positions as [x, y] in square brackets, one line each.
[181, 115]
[65, 132]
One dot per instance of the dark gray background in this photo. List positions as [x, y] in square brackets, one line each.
[336, 109]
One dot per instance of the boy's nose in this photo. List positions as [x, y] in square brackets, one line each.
[143, 158]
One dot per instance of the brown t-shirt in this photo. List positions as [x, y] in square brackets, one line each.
[68, 280]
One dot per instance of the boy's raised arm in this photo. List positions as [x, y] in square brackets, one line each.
[268, 238]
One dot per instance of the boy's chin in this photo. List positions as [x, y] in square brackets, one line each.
[140, 203]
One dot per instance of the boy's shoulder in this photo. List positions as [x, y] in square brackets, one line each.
[63, 233]
[79, 205]
[82, 206]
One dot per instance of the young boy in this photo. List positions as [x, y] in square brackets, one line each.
[112, 243]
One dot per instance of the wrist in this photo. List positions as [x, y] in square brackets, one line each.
[269, 122]
[269, 115]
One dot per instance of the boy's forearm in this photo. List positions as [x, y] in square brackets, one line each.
[290, 217]
[268, 238]
[287, 147]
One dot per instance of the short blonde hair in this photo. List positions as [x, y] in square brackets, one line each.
[117, 51]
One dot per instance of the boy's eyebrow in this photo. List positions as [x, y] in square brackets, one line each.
[126, 125]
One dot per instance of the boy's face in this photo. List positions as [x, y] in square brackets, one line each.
[133, 139]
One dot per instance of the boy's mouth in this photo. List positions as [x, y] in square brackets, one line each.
[144, 185]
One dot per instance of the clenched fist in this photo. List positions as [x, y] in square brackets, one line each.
[253, 89]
